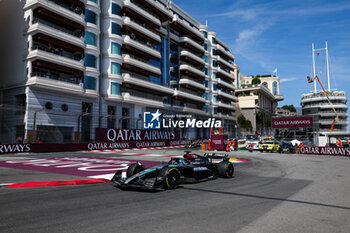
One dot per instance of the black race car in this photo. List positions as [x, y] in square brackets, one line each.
[287, 147]
[189, 169]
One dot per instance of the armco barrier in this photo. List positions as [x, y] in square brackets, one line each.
[321, 150]
[65, 147]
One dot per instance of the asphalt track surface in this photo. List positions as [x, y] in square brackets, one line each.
[272, 193]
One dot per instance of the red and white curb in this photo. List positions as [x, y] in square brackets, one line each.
[136, 149]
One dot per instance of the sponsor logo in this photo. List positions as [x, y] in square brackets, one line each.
[152, 120]
[14, 148]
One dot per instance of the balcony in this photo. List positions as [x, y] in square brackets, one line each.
[141, 47]
[279, 97]
[322, 98]
[51, 30]
[330, 121]
[144, 85]
[194, 111]
[226, 106]
[225, 85]
[190, 57]
[227, 96]
[145, 68]
[159, 9]
[128, 23]
[222, 51]
[226, 116]
[188, 83]
[57, 84]
[191, 71]
[225, 74]
[50, 57]
[192, 45]
[130, 7]
[127, 98]
[326, 106]
[225, 63]
[180, 95]
[182, 25]
[331, 113]
[58, 8]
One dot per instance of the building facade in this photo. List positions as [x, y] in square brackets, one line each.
[258, 102]
[77, 65]
[317, 105]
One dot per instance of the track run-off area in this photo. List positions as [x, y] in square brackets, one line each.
[270, 192]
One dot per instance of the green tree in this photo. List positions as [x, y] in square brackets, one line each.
[289, 107]
[244, 123]
[256, 81]
[260, 116]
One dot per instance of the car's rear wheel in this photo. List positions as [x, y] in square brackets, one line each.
[225, 169]
[171, 177]
[134, 168]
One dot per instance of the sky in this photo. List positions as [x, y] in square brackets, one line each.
[268, 34]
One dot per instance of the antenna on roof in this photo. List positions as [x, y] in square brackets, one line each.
[206, 22]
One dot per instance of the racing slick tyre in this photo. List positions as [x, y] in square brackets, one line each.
[225, 169]
[171, 177]
[133, 169]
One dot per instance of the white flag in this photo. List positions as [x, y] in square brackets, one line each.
[275, 71]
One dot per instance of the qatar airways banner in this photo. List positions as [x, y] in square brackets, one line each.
[292, 122]
[65, 147]
[135, 135]
[322, 150]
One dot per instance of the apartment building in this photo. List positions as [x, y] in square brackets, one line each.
[77, 65]
[258, 102]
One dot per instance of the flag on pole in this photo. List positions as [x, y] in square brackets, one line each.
[318, 53]
[275, 71]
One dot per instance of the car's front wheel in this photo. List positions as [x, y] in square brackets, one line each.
[134, 168]
[171, 177]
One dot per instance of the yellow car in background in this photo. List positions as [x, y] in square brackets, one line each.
[269, 146]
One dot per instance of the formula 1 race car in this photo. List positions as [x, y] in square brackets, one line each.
[189, 169]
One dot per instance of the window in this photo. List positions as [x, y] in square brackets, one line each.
[205, 58]
[206, 83]
[206, 108]
[214, 87]
[213, 40]
[89, 83]
[90, 17]
[90, 60]
[215, 99]
[90, 38]
[125, 117]
[205, 46]
[116, 10]
[115, 68]
[274, 88]
[205, 34]
[95, 1]
[214, 75]
[116, 29]
[205, 95]
[205, 71]
[214, 52]
[21, 104]
[111, 110]
[115, 48]
[215, 110]
[156, 80]
[214, 63]
[115, 88]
